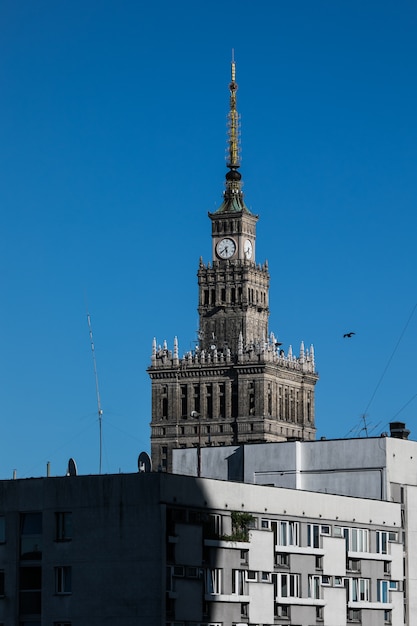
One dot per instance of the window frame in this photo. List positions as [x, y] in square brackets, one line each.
[63, 580]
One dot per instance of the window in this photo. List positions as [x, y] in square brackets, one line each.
[2, 529]
[314, 587]
[63, 582]
[244, 556]
[381, 542]
[319, 613]
[358, 589]
[31, 536]
[282, 610]
[354, 615]
[213, 581]
[265, 577]
[353, 565]
[357, 539]
[383, 589]
[288, 585]
[251, 575]
[191, 572]
[313, 534]
[63, 526]
[265, 524]
[286, 533]
[382, 539]
[388, 617]
[319, 562]
[282, 559]
[213, 526]
[30, 590]
[338, 581]
[240, 585]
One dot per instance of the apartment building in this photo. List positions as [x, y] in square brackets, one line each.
[170, 550]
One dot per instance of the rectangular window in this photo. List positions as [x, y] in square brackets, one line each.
[288, 585]
[354, 615]
[209, 401]
[313, 535]
[358, 589]
[30, 590]
[381, 542]
[286, 533]
[282, 610]
[353, 565]
[240, 585]
[314, 587]
[357, 539]
[222, 400]
[63, 526]
[384, 587]
[31, 536]
[63, 579]
[184, 403]
[251, 575]
[213, 581]
[282, 559]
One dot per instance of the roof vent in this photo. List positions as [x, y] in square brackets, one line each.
[398, 430]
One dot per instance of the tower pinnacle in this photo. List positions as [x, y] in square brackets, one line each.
[233, 161]
[233, 195]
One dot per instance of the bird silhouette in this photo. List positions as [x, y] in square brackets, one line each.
[349, 335]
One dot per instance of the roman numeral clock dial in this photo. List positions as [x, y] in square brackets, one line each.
[226, 248]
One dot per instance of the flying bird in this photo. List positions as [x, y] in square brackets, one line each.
[349, 335]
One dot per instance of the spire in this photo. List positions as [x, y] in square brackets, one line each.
[233, 195]
[233, 162]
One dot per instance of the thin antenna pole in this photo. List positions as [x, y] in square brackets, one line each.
[99, 410]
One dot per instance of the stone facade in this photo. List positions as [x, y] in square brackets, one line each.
[238, 385]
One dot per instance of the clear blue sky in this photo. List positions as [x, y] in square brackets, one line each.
[113, 137]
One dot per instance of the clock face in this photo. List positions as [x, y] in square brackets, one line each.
[226, 248]
[248, 249]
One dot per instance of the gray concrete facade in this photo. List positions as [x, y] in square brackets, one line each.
[168, 550]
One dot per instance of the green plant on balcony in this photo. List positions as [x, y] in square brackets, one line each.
[240, 526]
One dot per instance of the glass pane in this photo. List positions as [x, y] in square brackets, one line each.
[31, 523]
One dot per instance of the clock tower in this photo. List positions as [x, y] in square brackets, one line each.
[239, 385]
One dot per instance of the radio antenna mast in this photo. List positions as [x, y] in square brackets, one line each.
[99, 410]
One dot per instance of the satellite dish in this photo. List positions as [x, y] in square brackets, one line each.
[72, 468]
[144, 462]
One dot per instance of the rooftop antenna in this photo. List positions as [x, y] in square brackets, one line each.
[99, 409]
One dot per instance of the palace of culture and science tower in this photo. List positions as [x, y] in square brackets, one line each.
[238, 386]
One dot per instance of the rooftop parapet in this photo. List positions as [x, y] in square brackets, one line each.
[254, 352]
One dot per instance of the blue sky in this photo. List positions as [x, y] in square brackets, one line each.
[112, 150]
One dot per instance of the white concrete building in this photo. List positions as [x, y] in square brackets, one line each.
[381, 468]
